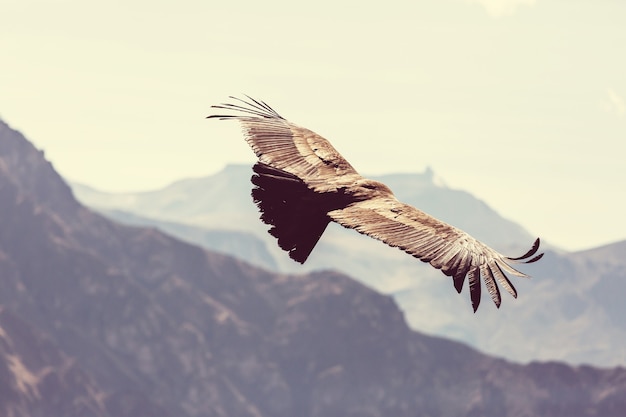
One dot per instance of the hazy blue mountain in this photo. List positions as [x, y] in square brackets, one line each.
[243, 245]
[214, 201]
[97, 318]
[570, 323]
[223, 201]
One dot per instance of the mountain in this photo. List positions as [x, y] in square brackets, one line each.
[243, 245]
[37, 379]
[222, 201]
[103, 319]
[571, 304]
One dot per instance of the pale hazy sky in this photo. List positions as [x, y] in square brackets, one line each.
[520, 102]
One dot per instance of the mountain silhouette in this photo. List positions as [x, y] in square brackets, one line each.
[103, 319]
[571, 305]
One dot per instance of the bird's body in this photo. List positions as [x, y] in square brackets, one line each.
[302, 183]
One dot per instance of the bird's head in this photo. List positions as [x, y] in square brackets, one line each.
[365, 189]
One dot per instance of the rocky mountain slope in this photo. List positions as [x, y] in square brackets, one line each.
[570, 305]
[109, 320]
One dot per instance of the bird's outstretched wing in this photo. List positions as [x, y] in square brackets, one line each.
[445, 247]
[284, 145]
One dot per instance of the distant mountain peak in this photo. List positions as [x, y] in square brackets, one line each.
[434, 178]
[414, 180]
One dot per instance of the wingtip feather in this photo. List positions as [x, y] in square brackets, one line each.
[534, 248]
[255, 108]
[473, 279]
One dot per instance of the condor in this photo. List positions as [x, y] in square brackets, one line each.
[301, 184]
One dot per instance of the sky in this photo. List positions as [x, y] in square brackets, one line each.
[520, 102]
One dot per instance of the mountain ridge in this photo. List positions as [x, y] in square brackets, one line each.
[409, 187]
[159, 327]
[423, 293]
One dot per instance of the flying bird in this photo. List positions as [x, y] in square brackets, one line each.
[301, 184]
